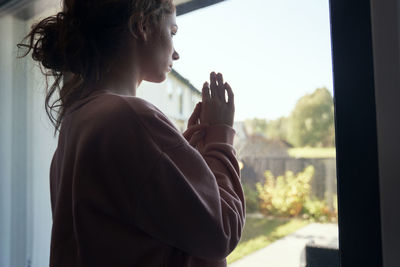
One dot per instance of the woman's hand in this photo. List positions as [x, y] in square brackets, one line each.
[215, 109]
[195, 131]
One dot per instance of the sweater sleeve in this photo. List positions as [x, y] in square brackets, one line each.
[194, 201]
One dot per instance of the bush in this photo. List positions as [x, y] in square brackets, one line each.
[317, 210]
[286, 195]
[252, 200]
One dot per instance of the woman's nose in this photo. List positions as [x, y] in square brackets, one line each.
[175, 55]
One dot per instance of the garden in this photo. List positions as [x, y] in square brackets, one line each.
[278, 207]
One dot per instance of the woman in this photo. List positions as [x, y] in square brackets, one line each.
[127, 189]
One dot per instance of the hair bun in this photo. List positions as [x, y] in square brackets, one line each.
[56, 42]
[46, 44]
[52, 52]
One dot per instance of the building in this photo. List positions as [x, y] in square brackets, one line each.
[176, 97]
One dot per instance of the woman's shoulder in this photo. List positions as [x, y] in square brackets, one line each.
[129, 112]
[155, 122]
[130, 106]
[102, 105]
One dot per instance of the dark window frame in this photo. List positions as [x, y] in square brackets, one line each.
[356, 134]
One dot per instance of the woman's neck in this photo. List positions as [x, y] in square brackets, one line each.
[121, 82]
[124, 75]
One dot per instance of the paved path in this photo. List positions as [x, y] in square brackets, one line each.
[286, 252]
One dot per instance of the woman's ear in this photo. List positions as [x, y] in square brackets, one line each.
[142, 32]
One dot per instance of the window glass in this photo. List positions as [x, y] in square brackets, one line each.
[276, 55]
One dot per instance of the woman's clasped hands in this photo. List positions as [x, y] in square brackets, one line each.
[214, 109]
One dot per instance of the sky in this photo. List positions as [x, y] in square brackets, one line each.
[270, 52]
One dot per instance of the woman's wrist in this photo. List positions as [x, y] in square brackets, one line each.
[219, 133]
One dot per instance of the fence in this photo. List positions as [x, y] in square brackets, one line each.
[323, 185]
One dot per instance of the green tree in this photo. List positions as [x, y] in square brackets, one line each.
[275, 129]
[311, 122]
[278, 129]
[256, 126]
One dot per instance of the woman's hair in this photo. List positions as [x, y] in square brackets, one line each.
[81, 40]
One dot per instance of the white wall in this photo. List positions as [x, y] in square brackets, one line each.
[26, 149]
[13, 146]
[41, 145]
[40, 150]
[385, 20]
[5, 137]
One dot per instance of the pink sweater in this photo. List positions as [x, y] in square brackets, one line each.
[127, 189]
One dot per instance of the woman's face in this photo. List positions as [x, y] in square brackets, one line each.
[159, 52]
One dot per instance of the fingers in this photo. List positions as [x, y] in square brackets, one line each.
[195, 115]
[221, 89]
[190, 131]
[205, 95]
[213, 85]
[231, 97]
[217, 87]
[196, 138]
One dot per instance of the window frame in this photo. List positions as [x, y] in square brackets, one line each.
[356, 134]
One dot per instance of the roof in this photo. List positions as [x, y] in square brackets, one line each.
[185, 81]
[258, 146]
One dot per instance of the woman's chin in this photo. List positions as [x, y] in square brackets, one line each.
[158, 79]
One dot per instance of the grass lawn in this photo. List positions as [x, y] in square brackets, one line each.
[312, 152]
[260, 232]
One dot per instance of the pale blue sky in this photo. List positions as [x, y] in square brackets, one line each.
[271, 52]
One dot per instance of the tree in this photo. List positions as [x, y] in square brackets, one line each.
[256, 126]
[278, 129]
[311, 122]
[275, 129]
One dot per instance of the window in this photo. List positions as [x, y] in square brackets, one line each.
[180, 95]
[169, 88]
[281, 74]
